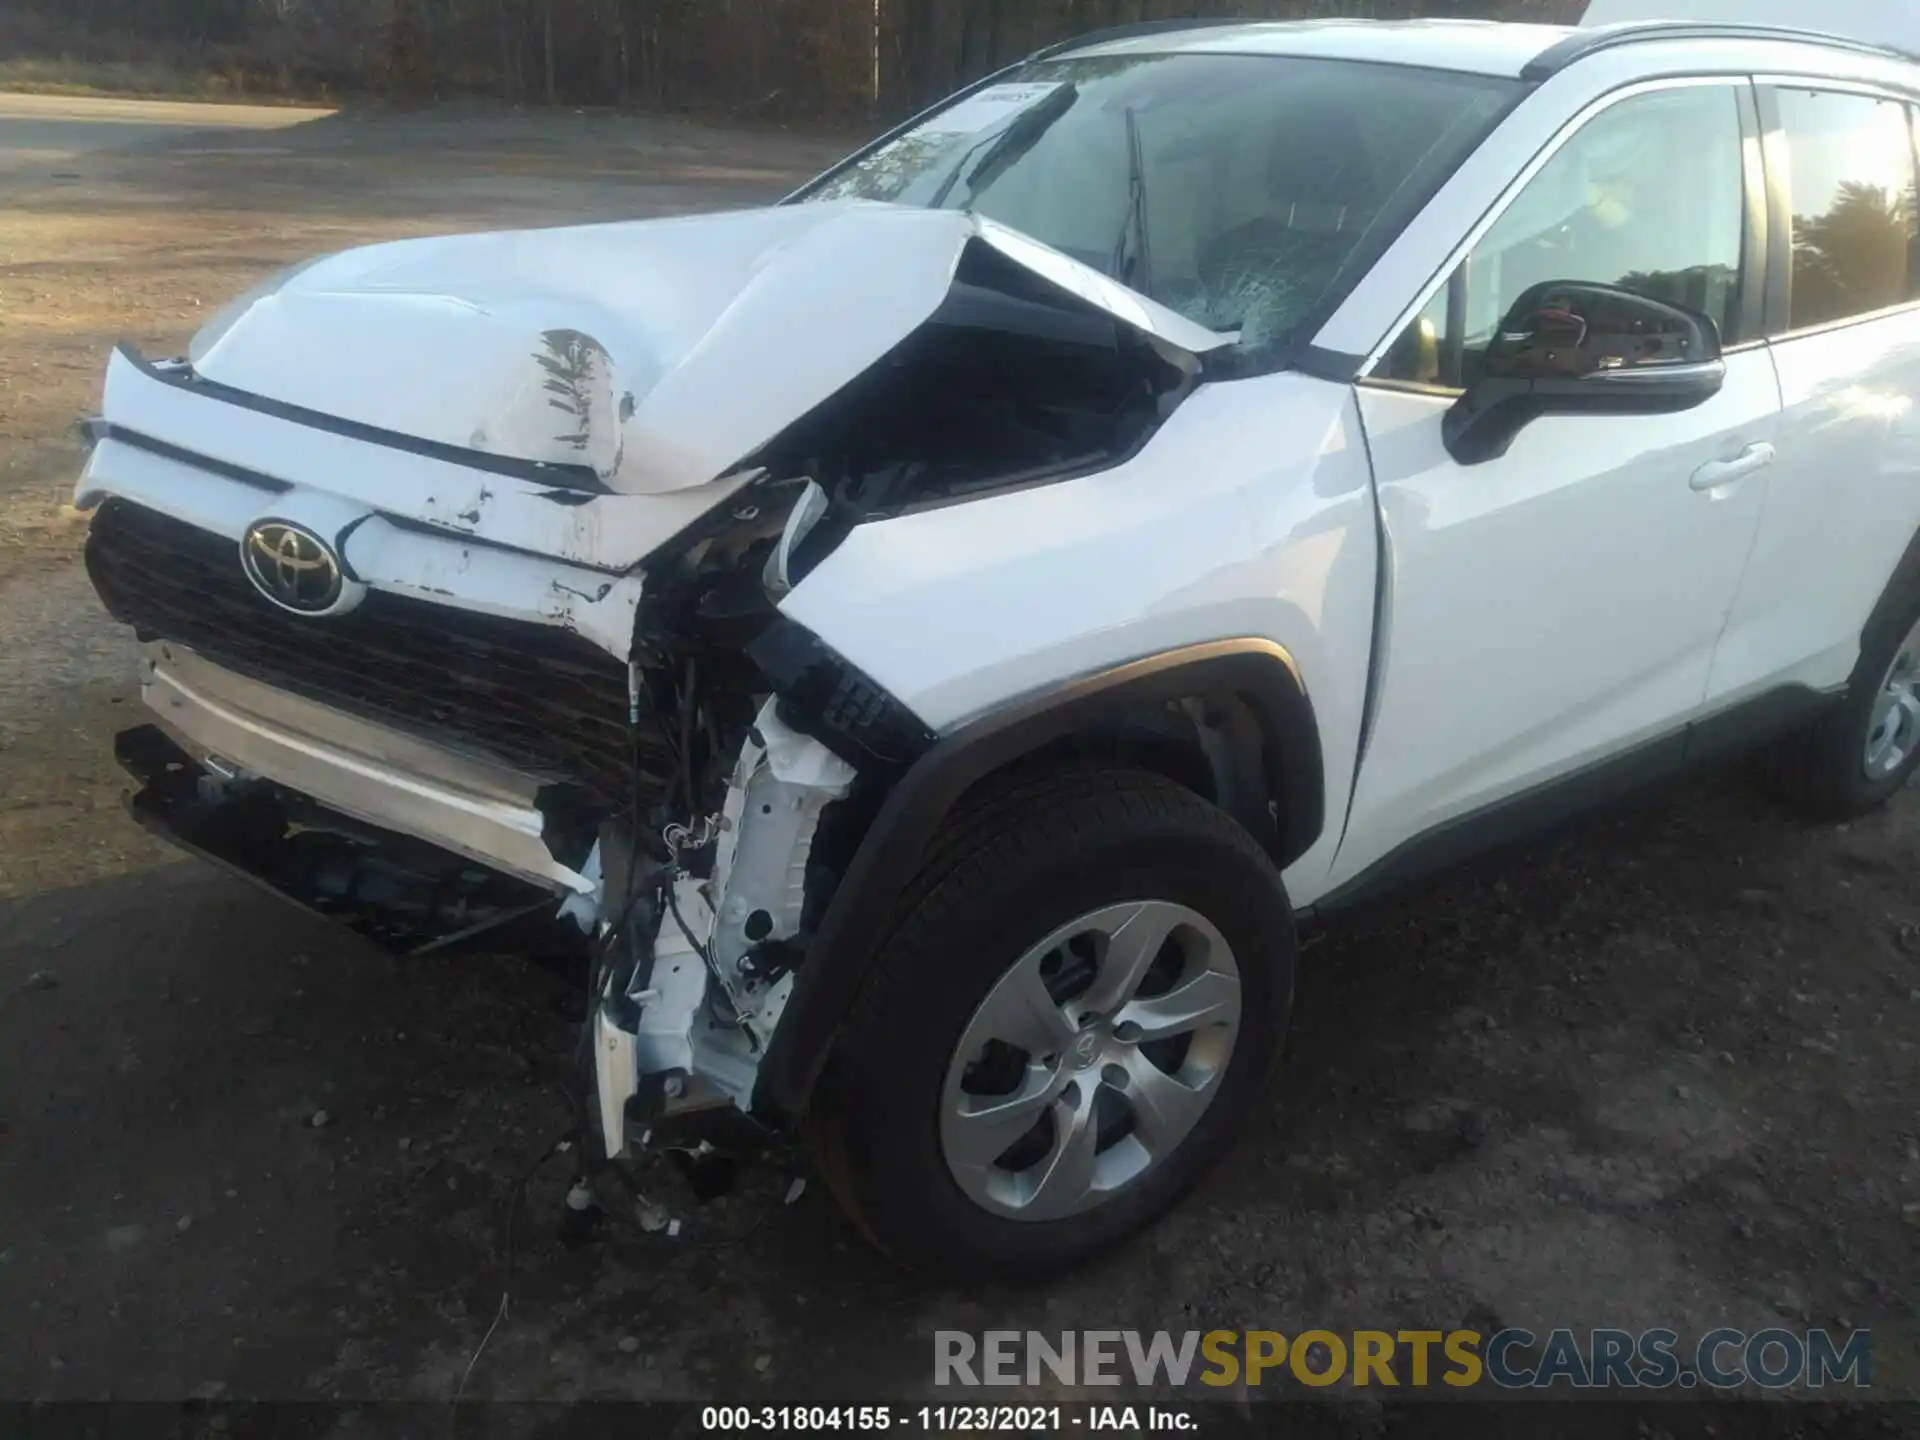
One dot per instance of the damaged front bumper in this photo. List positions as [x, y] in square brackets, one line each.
[475, 808]
[529, 530]
[423, 848]
[459, 758]
[393, 888]
[412, 845]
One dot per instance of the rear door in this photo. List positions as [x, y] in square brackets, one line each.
[1843, 501]
[1558, 606]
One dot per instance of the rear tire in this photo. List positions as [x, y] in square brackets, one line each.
[1038, 906]
[1862, 751]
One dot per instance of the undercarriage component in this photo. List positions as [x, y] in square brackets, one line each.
[395, 890]
[493, 814]
[688, 1033]
[782, 783]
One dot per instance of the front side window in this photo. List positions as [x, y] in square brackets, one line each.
[1237, 190]
[1647, 196]
[1851, 185]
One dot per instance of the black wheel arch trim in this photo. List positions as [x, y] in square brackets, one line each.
[1567, 799]
[1259, 672]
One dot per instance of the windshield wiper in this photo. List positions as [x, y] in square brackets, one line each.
[1008, 146]
[1132, 256]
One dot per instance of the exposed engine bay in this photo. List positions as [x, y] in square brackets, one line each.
[424, 754]
[706, 929]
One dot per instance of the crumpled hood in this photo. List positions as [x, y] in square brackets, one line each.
[657, 353]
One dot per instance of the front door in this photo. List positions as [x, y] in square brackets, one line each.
[1557, 606]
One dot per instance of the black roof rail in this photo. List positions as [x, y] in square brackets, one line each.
[1581, 44]
[1136, 30]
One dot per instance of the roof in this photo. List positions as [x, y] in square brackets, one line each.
[1893, 23]
[1480, 47]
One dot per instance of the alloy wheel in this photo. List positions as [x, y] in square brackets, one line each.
[1090, 1060]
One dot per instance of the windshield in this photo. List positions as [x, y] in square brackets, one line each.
[1237, 190]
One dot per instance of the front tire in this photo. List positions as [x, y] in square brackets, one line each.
[1078, 1001]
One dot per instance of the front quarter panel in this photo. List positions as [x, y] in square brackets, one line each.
[1249, 514]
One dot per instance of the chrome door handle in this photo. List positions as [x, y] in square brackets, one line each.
[1715, 473]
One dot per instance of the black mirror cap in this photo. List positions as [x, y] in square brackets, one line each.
[1568, 329]
[1570, 347]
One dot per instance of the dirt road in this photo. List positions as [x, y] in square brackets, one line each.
[45, 132]
[1661, 1074]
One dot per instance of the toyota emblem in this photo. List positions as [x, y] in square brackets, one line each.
[292, 567]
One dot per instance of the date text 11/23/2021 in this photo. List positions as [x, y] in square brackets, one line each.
[948, 1419]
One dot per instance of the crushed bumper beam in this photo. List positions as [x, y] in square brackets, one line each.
[473, 807]
[395, 890]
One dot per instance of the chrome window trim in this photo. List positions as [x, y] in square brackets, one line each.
[1458, 255]
[1871, 88]
[1825, 327]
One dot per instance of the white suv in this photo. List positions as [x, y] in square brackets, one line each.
[931, 640]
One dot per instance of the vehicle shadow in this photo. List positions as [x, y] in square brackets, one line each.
[294, 1157]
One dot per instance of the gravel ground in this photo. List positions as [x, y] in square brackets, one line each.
[1659, 1073]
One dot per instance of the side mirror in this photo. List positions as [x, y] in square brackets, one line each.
[1570, 347]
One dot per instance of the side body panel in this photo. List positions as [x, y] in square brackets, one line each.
[1843, 501]
[1584, 575]
[1550, 608]
[1248, 515]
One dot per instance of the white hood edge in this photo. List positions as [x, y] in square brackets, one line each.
[658, 353]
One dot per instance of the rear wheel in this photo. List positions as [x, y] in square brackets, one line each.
[1860, 754]
[1080, 998]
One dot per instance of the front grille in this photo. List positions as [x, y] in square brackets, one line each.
[541, 699]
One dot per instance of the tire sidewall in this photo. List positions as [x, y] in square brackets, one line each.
[1879, 642]
[892, 1145]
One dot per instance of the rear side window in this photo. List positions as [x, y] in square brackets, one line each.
[1850, 180]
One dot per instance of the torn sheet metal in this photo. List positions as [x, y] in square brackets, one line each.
[781, 784]
[658, 354]
[446, 569]
[676, 988]
[597, 607]
[713, 995]
[608, 532]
